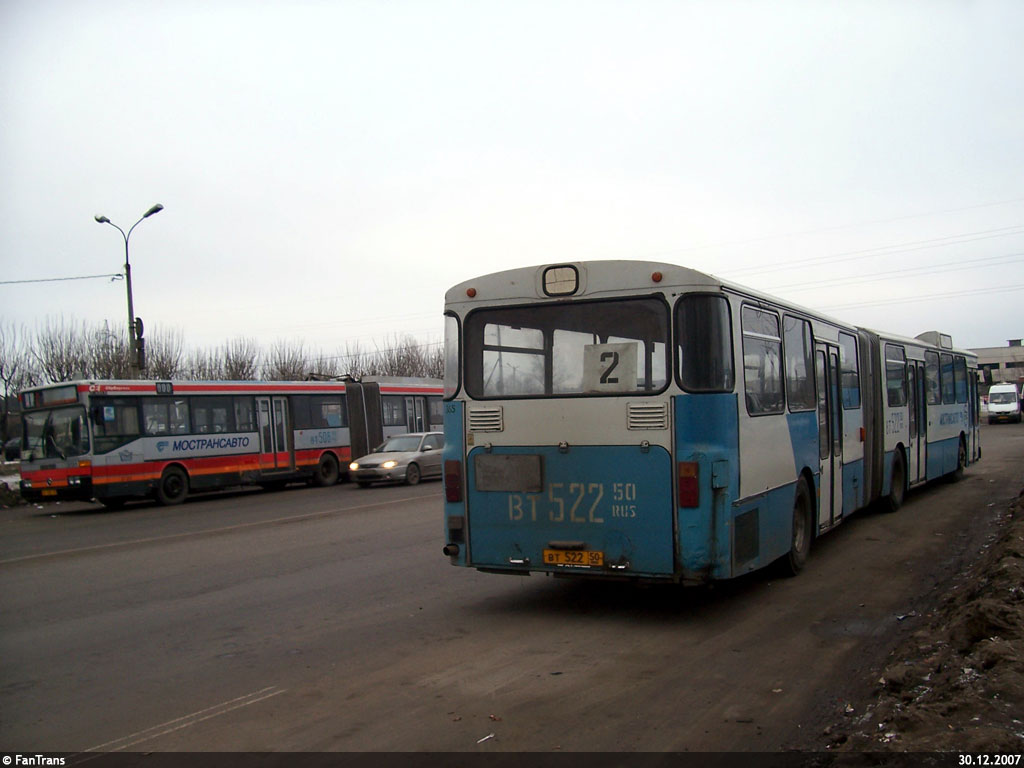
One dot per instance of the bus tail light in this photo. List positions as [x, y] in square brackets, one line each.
[689, 484]
[453, 480]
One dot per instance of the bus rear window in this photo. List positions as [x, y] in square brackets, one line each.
[582, 348]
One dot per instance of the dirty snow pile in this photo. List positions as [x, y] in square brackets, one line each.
[958, 683]
[9, 495]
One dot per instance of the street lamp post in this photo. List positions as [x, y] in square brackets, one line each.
[133, 337]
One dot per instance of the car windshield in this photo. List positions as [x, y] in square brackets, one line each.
[400, 444]
[56, 434]
[1002, 398]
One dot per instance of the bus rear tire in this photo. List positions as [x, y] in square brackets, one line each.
[326, 472]
[173, 486]
[800, 541]
[897, 484]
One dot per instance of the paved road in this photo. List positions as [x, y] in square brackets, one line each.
[327, 619]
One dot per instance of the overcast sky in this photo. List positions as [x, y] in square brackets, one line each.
[329, 169]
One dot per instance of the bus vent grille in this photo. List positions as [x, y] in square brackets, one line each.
[486, 419]
[648, 416]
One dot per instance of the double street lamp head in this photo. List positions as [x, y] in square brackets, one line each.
[155, 209]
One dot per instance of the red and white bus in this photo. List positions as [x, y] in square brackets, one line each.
[117, 440]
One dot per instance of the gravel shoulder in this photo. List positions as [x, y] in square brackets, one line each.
[956, 682]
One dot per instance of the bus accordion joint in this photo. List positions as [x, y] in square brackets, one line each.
[689, 484]
[453, 481]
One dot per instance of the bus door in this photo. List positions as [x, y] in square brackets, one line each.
[918, 443]
[414, 414]
[830, 436]
[275, 433]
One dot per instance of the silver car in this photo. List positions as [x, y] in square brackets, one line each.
[402, 458]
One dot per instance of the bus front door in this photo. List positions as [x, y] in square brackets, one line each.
[275, 446]
[830, 437]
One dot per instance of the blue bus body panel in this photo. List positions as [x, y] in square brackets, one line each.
[853, 486]
[803, 435]
[454, 411]
[707, 432]
[611, 499]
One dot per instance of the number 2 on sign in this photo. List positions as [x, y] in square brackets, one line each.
[606, 377]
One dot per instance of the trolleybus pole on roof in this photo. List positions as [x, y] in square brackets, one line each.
[134, 323]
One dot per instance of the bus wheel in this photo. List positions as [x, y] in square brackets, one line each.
[800, 543]
[173, 487]
[412, 475]
[961, 461]
[326, 472]
[897, 485]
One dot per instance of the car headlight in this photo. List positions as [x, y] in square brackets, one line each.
[354, 466]
[391, 464]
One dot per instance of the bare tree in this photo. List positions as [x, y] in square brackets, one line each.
[165, 357]
[108, 354]
[241, 359]
[406, 357]
[325, 367]
[61, 351]
[285, 362]
[204, 365]
[16, 372]
[354, 361]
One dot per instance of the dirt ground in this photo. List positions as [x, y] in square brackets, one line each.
[957, 682]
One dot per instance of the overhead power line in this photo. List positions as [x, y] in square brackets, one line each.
[930, 297]
[836, 228]
[116, 276]
[929, 269]
[884, 250]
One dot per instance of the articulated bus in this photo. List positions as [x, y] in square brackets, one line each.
[646, 421]
[117, 440]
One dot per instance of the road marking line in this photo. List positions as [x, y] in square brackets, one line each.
[192, 534]
[185, 721]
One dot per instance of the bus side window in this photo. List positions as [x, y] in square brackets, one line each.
[931, 378]
[762, 361]
[895, 376]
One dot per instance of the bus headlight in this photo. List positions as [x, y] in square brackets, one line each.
[75, 480]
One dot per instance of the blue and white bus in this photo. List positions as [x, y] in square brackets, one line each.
[647, 421]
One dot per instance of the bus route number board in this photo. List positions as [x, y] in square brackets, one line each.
[577, 558]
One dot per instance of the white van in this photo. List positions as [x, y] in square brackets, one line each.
[1003, 403]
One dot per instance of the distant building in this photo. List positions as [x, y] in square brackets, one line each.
[1002, 365]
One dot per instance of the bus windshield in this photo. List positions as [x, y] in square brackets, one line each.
[56, 434]
[580, 348]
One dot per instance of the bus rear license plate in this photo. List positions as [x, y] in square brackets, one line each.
[49, 492]
[574, 557]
